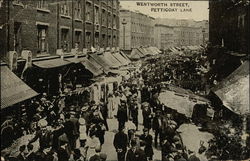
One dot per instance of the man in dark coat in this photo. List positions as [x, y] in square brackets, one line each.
[71, 129]
[145, 94]
[134, 112]
[104, 111]
[134, 153]
[147, 117]
[44, 135]
[120, 143]
[157, 127]
[122, 115]
[147, 139]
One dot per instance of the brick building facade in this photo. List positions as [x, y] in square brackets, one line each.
[229, 23]
[174, 32]
[138, 30]
[164, 36]
[43, 26]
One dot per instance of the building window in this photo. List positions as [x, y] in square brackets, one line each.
[96, 40]
[78, 10]
[109, 20]
[109, 41]
[114, 22]
[42, 36]
[17, 2]
[114, 4]
[64, 39]
[88, 12]
[241, 22]
[17, 37]
[96, 15]
[103, 40]
[65, 8]
[104, 18]
[78, 39]
[42, 4]
[114, 41]
[88, 40]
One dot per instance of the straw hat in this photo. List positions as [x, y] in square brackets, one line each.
[84, 108]
[42, 123]
[144, 104]
[81, 121]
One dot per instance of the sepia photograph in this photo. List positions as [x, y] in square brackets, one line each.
[125, 80]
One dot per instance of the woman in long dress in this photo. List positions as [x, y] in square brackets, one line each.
[110, 106]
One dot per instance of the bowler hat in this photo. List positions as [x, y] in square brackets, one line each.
[84, 108]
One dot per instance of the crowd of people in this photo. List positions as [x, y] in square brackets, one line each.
[74, 133]
[64, 133]
[67, 132]
[188, 72]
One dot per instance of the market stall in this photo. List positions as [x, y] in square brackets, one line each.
[188, 131]
[181, 100]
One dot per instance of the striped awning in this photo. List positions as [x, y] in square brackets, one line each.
[91, 67]
[13, 89]
[233, 91]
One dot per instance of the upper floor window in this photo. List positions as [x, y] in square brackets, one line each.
[109, 2]
[17, 37]
[17, 2]
[109, 20]
[78, 38]
[114, 4]
[65, 8]
[97, 15]
[104, 21]
[88, 40]
[78, 10]
[42, 38]
[88, 12]
[114, 22]
[42, 4]
[64, 39]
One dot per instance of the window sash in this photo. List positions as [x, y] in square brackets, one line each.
[42, 4]
[42, 39]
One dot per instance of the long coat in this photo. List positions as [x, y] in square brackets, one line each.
[147, 120]
[120, 141]
[122, 115]
[148, 145]
[138, 155]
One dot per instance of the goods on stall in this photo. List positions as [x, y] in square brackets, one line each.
[188, 131]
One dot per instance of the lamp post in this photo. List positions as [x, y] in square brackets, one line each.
[203, 37]
[124, 23]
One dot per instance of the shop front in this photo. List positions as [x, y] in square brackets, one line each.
[13, 92]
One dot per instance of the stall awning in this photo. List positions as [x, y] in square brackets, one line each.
[123, 60]
[125, 56]
[76, 60]
[101, 61]
[151, 51]
[91, 67]
[234, 90]
[13, 89]
[136, 54]
[181, 100]
[109, 57]
[144, 51]
[53, 63]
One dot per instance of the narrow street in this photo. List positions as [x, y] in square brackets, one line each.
[108, 147]
[121, 80]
